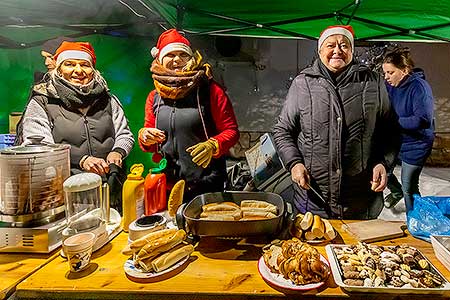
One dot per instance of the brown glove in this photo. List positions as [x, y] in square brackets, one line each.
[203, 152]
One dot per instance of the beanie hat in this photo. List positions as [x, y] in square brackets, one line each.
[75, 50]
[345, 30]
[50, 46]
[171, 40]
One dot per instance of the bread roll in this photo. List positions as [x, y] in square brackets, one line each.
[309, 236]
[272, 209]
[175, 197]
[317, 227]
[253, 218]
[161, 245]
[298, 219]
[257, 204]
[218, 217]
[265, 214]
[329, 233]
[220, 206]
[170, 258]
[236, 214]
[307, 221]
[149, 238]
[127, 250]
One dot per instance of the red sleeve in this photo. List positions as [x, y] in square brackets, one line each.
[224, 119]
[149, 120]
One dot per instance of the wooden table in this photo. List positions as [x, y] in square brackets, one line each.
[15, 267]
[218, 269]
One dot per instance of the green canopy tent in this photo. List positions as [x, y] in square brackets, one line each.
[415, 20]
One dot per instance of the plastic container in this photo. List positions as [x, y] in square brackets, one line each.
[155, 193]
[133, 196]
[7, 140]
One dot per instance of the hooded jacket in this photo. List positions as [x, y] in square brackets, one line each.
[339, 131]
[413, 101]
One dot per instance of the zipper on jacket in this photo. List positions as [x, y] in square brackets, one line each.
[172, 130]
[86, 127]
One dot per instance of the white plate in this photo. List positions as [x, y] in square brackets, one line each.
[279, 281]
[133, 271]
[335, 269]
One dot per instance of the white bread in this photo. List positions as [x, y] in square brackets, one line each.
[272, 209]
[309, 236]
[220, 206]
[149, 238]
[317, 227]
[329, 233]
[265, 214]
[160, 245]
[307, 221]
[170, 258]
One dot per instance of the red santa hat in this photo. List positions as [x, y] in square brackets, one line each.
[171, 40]
[75, 50]
[345, 30]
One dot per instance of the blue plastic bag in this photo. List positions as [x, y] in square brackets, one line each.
[430, 216]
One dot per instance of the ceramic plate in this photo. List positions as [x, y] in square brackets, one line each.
[279, 281]
[133, 271]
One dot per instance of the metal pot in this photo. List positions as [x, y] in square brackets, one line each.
[188, 216]
[31, 179]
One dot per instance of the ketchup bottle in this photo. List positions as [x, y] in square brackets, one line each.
[155, 194]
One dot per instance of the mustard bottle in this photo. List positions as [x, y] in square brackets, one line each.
[133, 196]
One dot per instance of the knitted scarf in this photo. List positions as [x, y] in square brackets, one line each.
[176, 85]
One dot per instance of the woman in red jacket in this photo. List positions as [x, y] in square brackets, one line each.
[189, 118]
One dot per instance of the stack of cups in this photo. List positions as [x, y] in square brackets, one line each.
[78, 249]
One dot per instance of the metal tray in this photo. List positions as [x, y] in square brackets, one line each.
[337, 275]
[188, 216]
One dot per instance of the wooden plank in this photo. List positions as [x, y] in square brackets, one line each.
[218, 269]
[15, 267]
[375, 230]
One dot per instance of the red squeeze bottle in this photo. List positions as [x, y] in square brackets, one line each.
[155, 197]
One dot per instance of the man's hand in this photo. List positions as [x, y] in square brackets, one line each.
[96, 165]
[379, 178]
[114, 158]
[300, 175]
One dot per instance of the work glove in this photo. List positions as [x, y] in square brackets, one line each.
[203, 152]
[150, 136]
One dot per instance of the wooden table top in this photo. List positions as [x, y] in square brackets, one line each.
[218, 269]
[15, 267]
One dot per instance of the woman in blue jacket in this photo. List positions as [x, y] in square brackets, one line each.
[412, 100]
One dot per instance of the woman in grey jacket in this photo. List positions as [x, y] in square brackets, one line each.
[75, 107]
[337, 133]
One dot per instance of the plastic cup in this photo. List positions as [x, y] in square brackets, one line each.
[78, 249]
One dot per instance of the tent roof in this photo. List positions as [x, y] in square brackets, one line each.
[371, 19]
[27, 23]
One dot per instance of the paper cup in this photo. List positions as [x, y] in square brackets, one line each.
[78, 249]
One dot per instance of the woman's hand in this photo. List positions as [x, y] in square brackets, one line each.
[379, 178]
[114, 158]
[150, 136]
[300, 175]
[96, 165]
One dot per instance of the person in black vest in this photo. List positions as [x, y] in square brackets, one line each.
[189, 118]
[75, 107]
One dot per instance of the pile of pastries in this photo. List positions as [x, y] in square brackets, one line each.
[385, 266]
[296, 261]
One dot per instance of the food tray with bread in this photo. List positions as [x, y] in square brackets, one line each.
[157, 253]
[232, 214]
[372, 268]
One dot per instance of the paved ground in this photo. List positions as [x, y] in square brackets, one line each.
[433, 182]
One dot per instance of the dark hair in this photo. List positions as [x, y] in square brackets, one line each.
[400, 58]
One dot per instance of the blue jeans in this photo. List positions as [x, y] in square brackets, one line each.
[410, 184]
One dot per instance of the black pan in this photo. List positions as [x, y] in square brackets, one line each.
[188, 216]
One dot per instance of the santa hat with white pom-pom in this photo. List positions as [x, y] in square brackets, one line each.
[170, 40]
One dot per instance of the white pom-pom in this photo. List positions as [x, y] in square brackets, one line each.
[154, 52]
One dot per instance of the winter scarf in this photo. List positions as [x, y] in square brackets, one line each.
[176, 85]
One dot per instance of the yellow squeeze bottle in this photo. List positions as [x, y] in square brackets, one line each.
[133, 196]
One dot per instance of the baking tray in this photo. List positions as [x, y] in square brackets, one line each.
[337, 275]
[188, 216]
